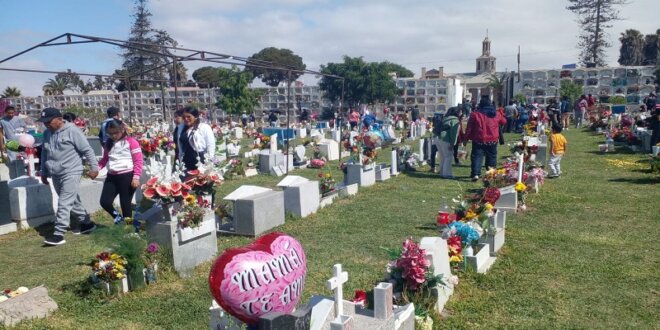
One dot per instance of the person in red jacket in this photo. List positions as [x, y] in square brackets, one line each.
[483, 130]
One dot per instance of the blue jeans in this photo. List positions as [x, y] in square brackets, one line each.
[477, 157]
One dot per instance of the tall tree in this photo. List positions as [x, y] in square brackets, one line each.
[55, 86]
[496, 82]
[570, 89]
[72, 80]
[363, 82]
[632, 48]
[594, 16]
[10, 92]
[652, 49]
[99, 83]
[181, 74]
[142, 62]
[401, 72]
[206, 77]
[235, 95]
[278, 58]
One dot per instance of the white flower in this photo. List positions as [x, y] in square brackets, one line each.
[453, 280]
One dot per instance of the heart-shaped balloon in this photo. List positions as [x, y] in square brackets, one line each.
[265, 276]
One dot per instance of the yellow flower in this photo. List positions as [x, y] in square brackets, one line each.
[501, 171]
[456, 258]
[470, 214]
[488, 206]
[328, 176]
[520, 186]
[190, 199]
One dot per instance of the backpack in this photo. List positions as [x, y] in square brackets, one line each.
[437, 124]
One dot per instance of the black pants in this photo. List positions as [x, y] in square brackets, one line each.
[118, 184]
[434, 152]
[456, 160]
[479, 150]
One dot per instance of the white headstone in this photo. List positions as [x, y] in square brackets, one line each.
[238, 132]
[245, 191]
[292, 180]
[329, 149]
[300, 152]
[421, 149]
[273, 143]
[394, 165]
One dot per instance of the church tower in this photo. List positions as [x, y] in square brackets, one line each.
[485, 62]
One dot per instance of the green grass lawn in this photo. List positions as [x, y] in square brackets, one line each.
[584, 255]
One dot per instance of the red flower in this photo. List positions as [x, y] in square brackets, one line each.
[360, 298]
[491, 195]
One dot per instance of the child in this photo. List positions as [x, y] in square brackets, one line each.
[557, 150]
[123, 157]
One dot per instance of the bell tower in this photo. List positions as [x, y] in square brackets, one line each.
[485, 62]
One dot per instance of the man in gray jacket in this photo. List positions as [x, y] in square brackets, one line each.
[62, 155]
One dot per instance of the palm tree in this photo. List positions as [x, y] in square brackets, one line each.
[496, 82]
[632, 48]
[11, 92]
[55, 86]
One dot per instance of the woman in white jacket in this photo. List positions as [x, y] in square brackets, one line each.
[196, 142]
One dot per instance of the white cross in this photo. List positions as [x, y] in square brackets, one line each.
[335, 283]
[521, 163]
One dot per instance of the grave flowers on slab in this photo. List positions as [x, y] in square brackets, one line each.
[204, 179]
[191, 213]
[469, 234]
[109, 269]
[234, 168]
[360, 298]
[327, 183]
[316, 163]
[413, 277]
[522, 190]
[261, 141]
[165, 191]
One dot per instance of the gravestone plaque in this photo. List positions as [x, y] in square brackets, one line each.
[298, 320]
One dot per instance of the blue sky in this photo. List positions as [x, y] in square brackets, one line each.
[414, 33]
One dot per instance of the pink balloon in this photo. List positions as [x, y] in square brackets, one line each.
[265, 276]
[26, 140]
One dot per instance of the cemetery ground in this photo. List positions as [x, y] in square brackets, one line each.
[584, 254]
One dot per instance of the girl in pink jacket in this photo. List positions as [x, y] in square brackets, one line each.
[123, 158]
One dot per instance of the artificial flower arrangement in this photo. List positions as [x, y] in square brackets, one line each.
[503, 176]
[158, 143]
[109, 267]
[191, 213]
[535, 172]
[327, 183]
[316, 163]
[165, 191]
[9, 293]
[412, 275]
[234, 168]
[523, 191]
[261, 141]
[203, 179]
[363, 148]
[217, 132]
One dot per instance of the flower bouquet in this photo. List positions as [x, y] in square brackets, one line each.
[234, 168]
[165, 191]
[316, 163]
[327, 183]
[9, 293]
[261, 141]
[203, 180]
[109, 272]
[192, 212]
[413, 277]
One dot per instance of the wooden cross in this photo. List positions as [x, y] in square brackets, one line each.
[335, 284]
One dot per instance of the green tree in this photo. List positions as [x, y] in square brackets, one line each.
[401, 72]
[72, 80]
[55, 86]
[594, 16]
[520, 97]
[281, 58]
[206, 77]
[496, 82]
[568, 88]
[11, 92]
[235, 95]
[632, 48]
[99, 83]
[652, 49]
[94, 116]
[363, 82]
[149, 53]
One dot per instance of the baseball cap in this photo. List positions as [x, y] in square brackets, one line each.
[48, 114]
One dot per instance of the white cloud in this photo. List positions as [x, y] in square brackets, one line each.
[415, 33]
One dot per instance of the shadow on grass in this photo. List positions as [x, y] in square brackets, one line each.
[646, 180]
[618, 151]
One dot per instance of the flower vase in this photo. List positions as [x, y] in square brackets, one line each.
[532, 157]
[115, 288]
[150, 273]
[170, 211]
[468, 251]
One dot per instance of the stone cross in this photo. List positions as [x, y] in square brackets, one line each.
[335, 284]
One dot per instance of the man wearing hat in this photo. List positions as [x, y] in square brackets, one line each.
[62, 155]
